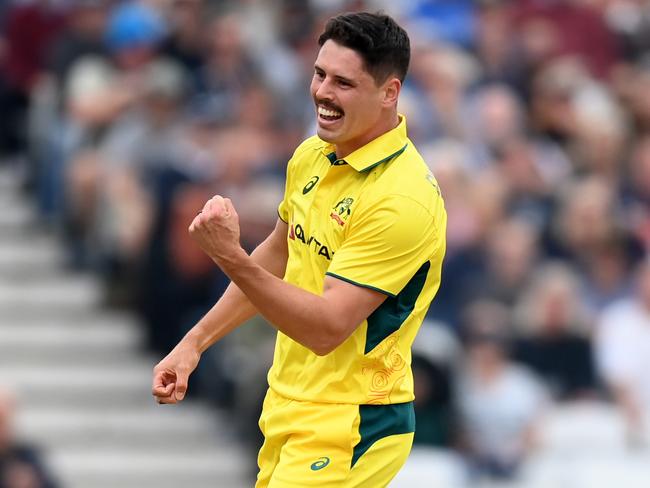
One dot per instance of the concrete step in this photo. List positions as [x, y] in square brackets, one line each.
[110, 328]
[127, 468]
[11, 193]
[17, 211]
[32, 255]
[65, 291]
[100, 342]
[16, 219]
[83, 380]
[117, 385]
[79, 357]
[153, 480]
[89, 396]
[84, 316]
[191, 427]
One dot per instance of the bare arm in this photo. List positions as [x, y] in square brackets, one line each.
[234, 307]
[231, 310]
[318, 322]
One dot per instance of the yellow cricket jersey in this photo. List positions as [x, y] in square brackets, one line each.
[377, 220]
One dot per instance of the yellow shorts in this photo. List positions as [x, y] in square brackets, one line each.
[332, 445]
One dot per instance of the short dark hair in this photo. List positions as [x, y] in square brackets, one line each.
[382, 44]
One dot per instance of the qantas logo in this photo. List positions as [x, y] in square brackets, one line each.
[296, 232]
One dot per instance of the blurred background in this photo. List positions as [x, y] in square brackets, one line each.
[118, 119]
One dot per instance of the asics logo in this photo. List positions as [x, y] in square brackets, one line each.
[310, 184]
[320, 464]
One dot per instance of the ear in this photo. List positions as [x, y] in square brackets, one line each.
[392, 88]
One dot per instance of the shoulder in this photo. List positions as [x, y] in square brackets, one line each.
[305, 154]
[309, 146]
[408, 184]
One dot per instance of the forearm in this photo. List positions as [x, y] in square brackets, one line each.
[319, 323]
[230, 311]
[234, 308]
[305, 317]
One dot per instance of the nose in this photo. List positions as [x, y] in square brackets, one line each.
[322, 90]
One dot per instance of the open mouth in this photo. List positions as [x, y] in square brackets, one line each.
[329, 114]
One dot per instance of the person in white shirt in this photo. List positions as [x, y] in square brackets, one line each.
[623, 353]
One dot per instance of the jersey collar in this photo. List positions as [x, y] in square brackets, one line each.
[379, 150]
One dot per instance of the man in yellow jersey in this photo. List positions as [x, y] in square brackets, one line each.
[346, 277]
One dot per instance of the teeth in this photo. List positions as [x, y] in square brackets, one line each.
[328, 113]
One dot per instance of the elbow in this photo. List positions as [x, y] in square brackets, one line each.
[322, 349]
[327, 342]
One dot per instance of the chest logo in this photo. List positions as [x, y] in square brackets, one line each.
[320, 464]
[310, 184]
[341, 211]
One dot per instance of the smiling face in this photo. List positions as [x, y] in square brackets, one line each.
[351, 108]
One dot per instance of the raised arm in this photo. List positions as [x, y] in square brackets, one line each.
[318, 322]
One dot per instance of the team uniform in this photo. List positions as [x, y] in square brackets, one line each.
[375, 219]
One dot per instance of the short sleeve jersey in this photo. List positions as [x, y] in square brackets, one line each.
[375, 219]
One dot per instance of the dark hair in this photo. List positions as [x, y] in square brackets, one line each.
[382, 44]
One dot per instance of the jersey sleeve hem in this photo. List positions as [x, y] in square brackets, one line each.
[280, 217]
[362, 285]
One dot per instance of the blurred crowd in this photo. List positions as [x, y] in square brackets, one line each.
[534, 115]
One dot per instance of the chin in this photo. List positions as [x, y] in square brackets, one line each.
[325, 135]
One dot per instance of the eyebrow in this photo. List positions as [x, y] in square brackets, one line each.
[337, 77]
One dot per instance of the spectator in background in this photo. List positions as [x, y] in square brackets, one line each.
[497, 47]
[83, 36]
[567, 28]
[434, 21]
[608, 279]
[623, 354]
[600, 133]
[20, 464]
[103, 96]
[435, 92]
[497, 270]
[630, 21]
[29, 28]
[499, 402]
[631, 84]
[552, 90]
[497, 116]
[510, 259]
[229, 68]
[436, 354]
[185, 42]
[584, 221]
[637, 193]
[476, 206]
[552, 333]
[433, 407]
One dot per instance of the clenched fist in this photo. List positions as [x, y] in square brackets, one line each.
[170, 376]
[216, 229]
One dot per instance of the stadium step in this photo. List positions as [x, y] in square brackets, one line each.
[106, 340]
[83, 379]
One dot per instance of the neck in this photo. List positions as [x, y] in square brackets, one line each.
[385, 124]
